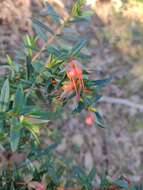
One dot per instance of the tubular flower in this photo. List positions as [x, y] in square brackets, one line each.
[68, 87]
[74, 73]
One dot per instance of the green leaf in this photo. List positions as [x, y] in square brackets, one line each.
[100, 83]
[14, 133]
[104, 184]
[1, 125]
[34, 129]
[45, 115]
[28, 109]
[97, 98]
[40, 32]
[9, 60]
[2, 120]
[92, 174]
[87, 14]
[78, 46]
[46, 151]
[19, 100]
[4, 97]
[13, 66]
[80, 174]
[30, 166]
[41, 25]
[121, 183]
[79, 19]
[30, 69]
[28, 42]
[68, 37]
[38, 66]
[79, 107]
[77, 8]
[49, 10]
[53, 49]
[99, 120]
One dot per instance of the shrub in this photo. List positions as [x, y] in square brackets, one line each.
[41, 83]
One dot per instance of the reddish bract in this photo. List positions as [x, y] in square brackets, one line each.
[40, 187]
[68, 87]
[74, 73]
[37, 185]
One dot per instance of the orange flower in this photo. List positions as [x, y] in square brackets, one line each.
[68, 87]
[74, 73]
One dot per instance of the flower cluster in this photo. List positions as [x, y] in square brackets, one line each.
[75, 75]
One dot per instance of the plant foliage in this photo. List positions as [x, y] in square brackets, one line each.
[41, 83]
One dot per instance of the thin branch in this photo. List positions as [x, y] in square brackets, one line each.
[124, 102]
[46, 44]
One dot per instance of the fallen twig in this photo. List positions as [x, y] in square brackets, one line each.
[124, 102]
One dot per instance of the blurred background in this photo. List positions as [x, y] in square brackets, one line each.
[115, 33]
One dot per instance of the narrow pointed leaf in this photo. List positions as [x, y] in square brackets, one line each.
[40, 32]
[34, 129]
[41, 25]
[4, 97]
[78, 46]
[1, 125]
[49, 10]
[99, 120]
[100, 83]
[14, 133]
[19, 101]
[92, 174]
[121, 183]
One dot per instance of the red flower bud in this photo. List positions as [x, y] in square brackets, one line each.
[89, 120]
